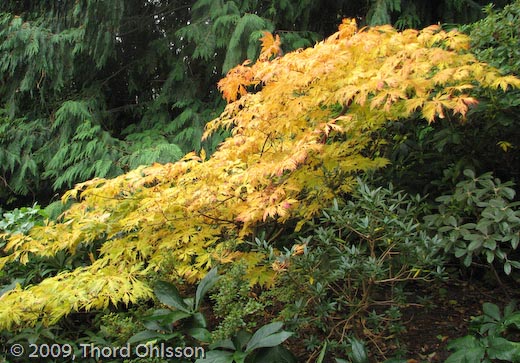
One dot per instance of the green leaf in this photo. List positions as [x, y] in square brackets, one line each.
[483, 225]
[490, 256]
[475, 244]
[322, 353]
[240, 339]
[468, 350]
[515, 264]
[459, 252]
[467, 260]
[206, 284]
[216, 356]
[170, 296]
[451, 221]
[150, 335]
[513, 319]
[469, 173]
[201, 334]
[225, 343]
[240, 357]
[198, 320]
[167, 317]
[266, 336]
[490, 244]
[500, 348]
[145, 335]
[492, 311]
[278, 354]
[466, 342]
[507, 268]
[508, 193]
[359, 351]
[270, 341]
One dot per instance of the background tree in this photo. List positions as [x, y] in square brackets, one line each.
[414, 14]
[92, 88]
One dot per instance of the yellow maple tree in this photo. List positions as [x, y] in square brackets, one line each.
[302, 128]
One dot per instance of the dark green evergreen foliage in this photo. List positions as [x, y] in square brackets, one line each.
[42, 47]
[478, 222]
[94, 88]
[83, 148]
[18, 162]
[351, 264]
[496, 38]
[414, 14]
[228, 31]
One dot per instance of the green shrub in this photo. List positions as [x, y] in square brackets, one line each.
[181, 317]
[21, 220]
[479, 221]
[183, 321]
[491, 339]
[351, 264]
[264, 346]
[495, 38]
[233, 303]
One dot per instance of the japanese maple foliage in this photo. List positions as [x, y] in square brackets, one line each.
[303, 127]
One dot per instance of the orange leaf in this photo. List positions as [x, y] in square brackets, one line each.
[271, 46]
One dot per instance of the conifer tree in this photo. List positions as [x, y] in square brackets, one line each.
[93, 88]
[96, 88]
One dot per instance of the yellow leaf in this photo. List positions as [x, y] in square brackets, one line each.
[505, 145]
[506, 81]
[428, 111]
[347, 28]
[413, 104]
[271, 46]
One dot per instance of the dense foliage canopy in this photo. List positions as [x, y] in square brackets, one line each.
[334, 186]
[303, 125]
[92, 88]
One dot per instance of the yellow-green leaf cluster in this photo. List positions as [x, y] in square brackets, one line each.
[302, 128]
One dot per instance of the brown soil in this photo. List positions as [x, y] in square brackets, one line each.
[430, 328]
[435, 314]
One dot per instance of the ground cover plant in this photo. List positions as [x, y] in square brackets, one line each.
[319, 256]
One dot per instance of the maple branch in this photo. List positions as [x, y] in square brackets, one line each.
[216, 219]
[265, 143]
[162, 212]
